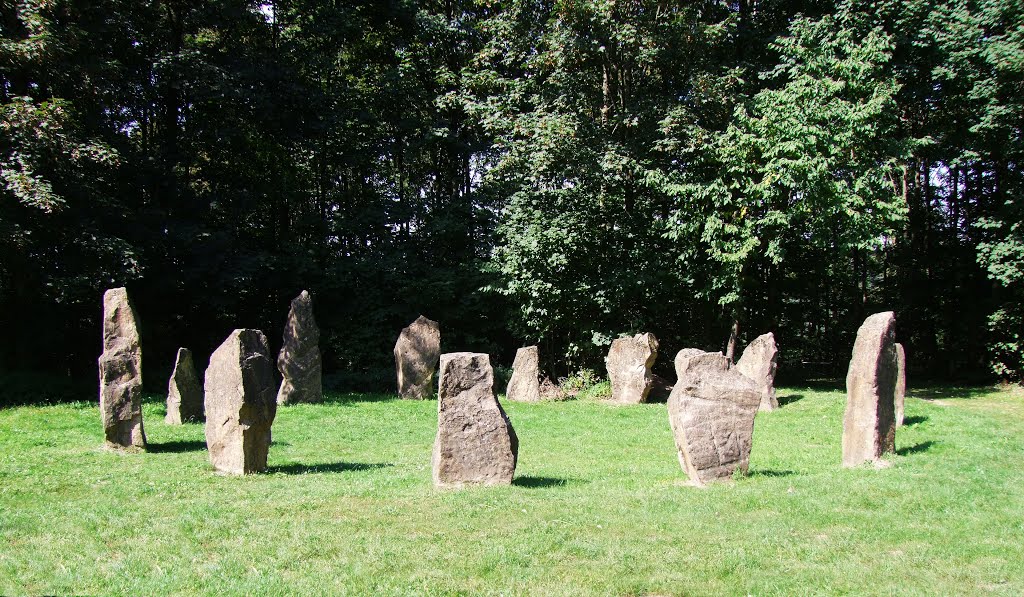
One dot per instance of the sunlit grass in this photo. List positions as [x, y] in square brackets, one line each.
[599, 506]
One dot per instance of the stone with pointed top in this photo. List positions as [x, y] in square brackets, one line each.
[416, 354]
[524, 386]
[759, 363]
[869, 429]
[900, 393]
[629, 363]
[711, 411]
[299, 361]
[121, 373]
[240, 403]
[475, 443]
[184, 393]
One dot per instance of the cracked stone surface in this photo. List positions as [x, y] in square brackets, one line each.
[416, 354]
[475, 443]
[629, 363]
[524, 386]
[760, 362]
[711, 411]
[184, 392]
[299, 361]
[120, 368]
[241, 403]
[869, 429]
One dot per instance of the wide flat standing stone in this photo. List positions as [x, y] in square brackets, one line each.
[629, 363]
[416, 353]
[475, 443]
[711, 411]
[524, 386]
[240, 403]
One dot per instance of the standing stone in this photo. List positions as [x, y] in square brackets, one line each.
[525, 383]
[184, 394]
[711, 411]
[475, 442]
[240, 404]
[759, 362]
[629, 363]
[900, 394]
[121, 373]
[300, 362]
[416, 353]
[868, 426]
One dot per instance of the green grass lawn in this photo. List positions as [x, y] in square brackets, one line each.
[600, 506]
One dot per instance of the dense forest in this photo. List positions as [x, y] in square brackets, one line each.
[551, 172]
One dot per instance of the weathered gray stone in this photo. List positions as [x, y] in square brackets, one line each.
[759, 363]
[868, 426]
[240, 403]
[475, 442]
[416, 354]
[900, 393]
[711, 411]
[299, 361]
[121, 373]
[524, 386]
[629, 363]
[184, 394]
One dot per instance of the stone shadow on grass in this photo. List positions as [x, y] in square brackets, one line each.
[350, 398]
[770, 473]
[915, 420]
[789, 399]
[327, 467]
[916, 448]
[949, 393]
[534, 482]
[176, 447]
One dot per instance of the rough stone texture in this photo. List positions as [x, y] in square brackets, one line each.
[240, 403]
[524, 386]
[121, 373]
[475, 442]
[299, 361]
[759, 362]
[711, 411]
[629, 363]
[900, 393]
[416, 353]
[868, 426]
[184, 393]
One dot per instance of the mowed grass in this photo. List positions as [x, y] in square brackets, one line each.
[600, 506]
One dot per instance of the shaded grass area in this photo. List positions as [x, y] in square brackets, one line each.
[599, 506]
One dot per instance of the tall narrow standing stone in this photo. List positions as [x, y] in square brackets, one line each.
[711, 411]
[525, 383]
[240, 403]
[900, 394]
[868, 426]
[121, 373]
[759, 362]
[629, 363]
[300, 362]
[475, 442]
[184, 394]
[416, 353]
